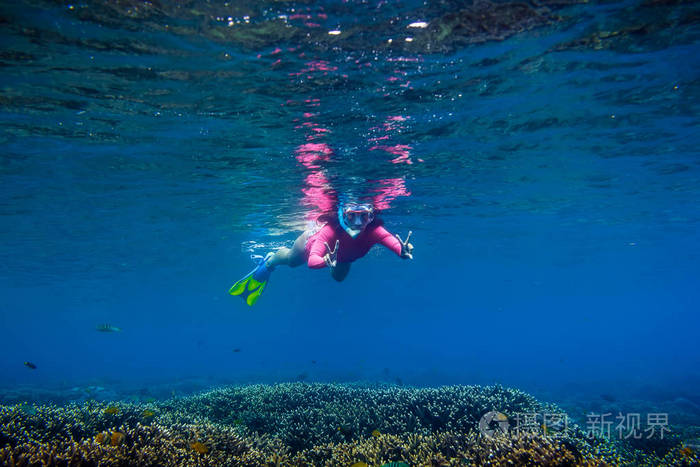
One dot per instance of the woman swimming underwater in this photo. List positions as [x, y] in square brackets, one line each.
[353, 233]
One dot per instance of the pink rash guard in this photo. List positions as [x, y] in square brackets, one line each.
[349, 249]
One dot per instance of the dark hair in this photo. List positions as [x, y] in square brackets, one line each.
[329, 218]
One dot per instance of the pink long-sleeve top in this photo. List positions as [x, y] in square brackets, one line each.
[349, 249]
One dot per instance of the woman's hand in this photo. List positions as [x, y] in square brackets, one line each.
[406, 248]
[331, 258]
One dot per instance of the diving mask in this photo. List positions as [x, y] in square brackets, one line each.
[355, 217]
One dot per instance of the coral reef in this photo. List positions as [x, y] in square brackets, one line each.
[303, 424]
[448, 449]
[305, 415]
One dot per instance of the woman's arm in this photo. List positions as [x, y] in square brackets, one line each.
[318, 248]
[383, 236]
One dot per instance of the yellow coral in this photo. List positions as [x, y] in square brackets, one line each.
[100, 438]
[117, 438]
[199, 447]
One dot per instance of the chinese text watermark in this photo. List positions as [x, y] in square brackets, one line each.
[598, 425]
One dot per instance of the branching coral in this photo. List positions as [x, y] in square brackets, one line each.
[305, 415]
[298, 424]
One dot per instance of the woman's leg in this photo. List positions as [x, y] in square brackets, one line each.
[292, 257]
[340, 271]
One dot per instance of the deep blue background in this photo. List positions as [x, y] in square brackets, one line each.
[555, 210]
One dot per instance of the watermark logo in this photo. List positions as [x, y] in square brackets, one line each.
[549, 424]
[493, 423]
[627, 425]
[598, 425]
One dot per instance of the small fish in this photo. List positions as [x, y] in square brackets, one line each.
[395, 464]
[108, 328]
[111, 410]
[148, 413]
[544, 429]
[346, 431]
[313, 362]
[500, 417]
[236, 350]
[360, 464]
[376, 433]
[30, 365]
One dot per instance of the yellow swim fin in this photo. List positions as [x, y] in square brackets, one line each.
[242, 285]
[251, 286]
[256, 289]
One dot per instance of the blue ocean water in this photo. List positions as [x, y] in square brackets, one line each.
[547, 167]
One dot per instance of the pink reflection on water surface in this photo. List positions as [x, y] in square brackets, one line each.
[400, 150]
[389, 189]
[310, 153]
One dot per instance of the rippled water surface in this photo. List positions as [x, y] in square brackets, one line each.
[545, 156]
